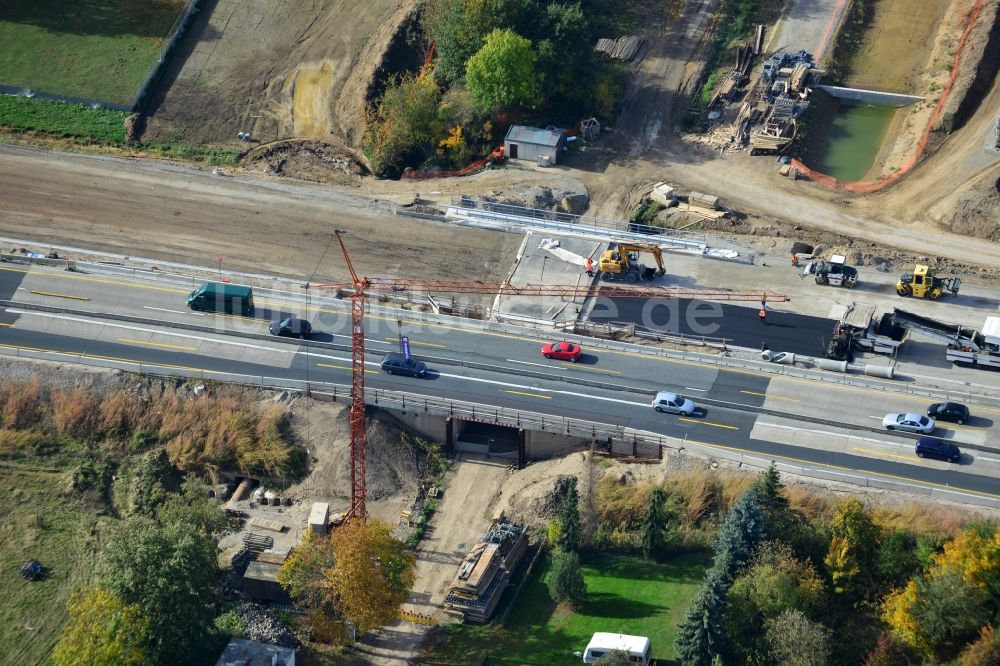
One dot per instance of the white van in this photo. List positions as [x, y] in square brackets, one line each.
[601, 643]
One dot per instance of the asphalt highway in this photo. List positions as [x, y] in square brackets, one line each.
[740, 324]
[622, 383]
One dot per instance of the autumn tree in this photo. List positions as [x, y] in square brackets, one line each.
[569, 518]
[360, 571]
[776, 582]
[851, 557]
[653, 524]
[701, 635]
[169, 572]
[101, 629]
[795, 640]
[984, 651]
[565, 580]
[303, 573]
[403, 124]
[502, 73]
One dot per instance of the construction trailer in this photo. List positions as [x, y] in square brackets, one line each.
[260, 583]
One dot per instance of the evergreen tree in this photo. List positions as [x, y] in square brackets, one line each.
[701, 636]
[740, 535]
[653, 524]
[569, 518]
[566, 579]
[770, 490]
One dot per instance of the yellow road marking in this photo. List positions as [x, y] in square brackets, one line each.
[846, 469]
[420, 344]
[84, 278]
[156, 344]
[58, 295]
[883, 453]
[708, 423]
[343, 367]
[530, 395]
[954, 426]
[772, 397]
[7, 325]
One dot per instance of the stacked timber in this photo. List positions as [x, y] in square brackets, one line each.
[623, 48]
[484, 573]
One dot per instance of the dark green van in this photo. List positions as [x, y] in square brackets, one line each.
[222, 297]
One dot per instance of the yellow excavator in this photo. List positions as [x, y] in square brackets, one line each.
[622, 263]
[924, 283]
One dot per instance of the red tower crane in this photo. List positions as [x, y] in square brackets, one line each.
[359, 286]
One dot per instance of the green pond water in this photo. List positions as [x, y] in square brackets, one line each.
[844, 138]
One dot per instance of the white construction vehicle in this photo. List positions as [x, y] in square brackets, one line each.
[834, 272]
[966, 346]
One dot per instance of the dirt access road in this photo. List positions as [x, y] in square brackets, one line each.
[462, 518]
[177, 213]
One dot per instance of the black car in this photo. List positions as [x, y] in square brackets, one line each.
[934, 447]
[291, 328]
[396, 364]
[955, 412]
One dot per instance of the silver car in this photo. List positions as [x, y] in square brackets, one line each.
[674, 404]
[909, 422]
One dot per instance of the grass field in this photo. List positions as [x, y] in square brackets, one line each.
[624, 594]
[76, 120]
[40, 522]
[93, 49]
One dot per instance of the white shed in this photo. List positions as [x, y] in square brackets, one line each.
[319, 517]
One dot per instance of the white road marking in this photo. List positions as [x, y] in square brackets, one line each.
[835, 434]
[197, 314]
[691, 388]
[990, 459]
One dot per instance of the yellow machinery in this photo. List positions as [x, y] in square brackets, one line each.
[924, 283]
[622, 263]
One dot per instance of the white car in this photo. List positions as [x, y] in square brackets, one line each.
[909, 422]
[674, 404]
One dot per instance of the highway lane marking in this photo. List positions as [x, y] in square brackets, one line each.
[860, 472]
[996, 460]
[56, 294]
[6, 325]
[827, 432]
[156, 344]
[883, 453]
[530, 395]
[154, 331]
[197, 314]
[344, 367]
[564, 366]
[417, 344]
[100, 281]
[772, 397]
[708, 423]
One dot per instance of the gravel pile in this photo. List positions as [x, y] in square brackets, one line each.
[263, 626]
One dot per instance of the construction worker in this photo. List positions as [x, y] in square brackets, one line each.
[795, 260]
[590, 267]
[763, 316]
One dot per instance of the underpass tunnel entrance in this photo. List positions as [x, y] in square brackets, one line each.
[487, 439]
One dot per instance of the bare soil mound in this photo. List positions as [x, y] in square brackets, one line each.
[394, 466]
[977, 209]
[305, 159]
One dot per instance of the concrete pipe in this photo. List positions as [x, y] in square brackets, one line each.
[883, 371]
[767, 355]
[785, 358]
[830, 364]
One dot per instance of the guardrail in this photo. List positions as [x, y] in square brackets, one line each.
[983, 395]
[638, 443]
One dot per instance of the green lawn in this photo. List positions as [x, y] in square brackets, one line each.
[624, 594]
[94, 49]
[40, 522]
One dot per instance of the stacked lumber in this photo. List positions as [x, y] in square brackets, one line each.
[257, 543]
[484, 573]
[700, 211]
[623, 48]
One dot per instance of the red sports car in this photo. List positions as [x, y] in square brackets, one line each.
[563, 351]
